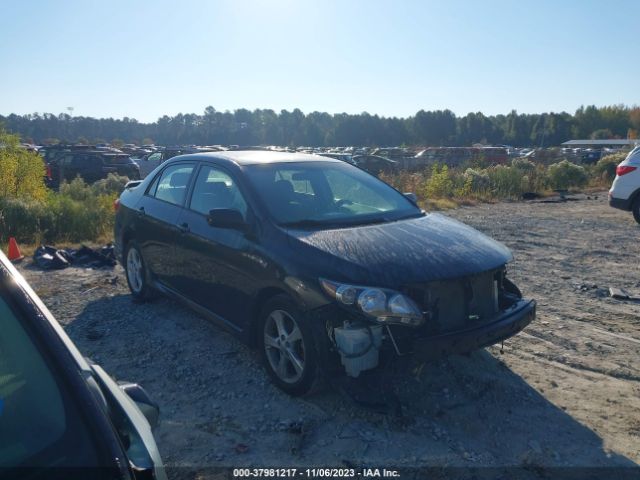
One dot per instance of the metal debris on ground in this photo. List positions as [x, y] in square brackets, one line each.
[620, 294]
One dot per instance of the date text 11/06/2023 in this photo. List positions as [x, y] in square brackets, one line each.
[242, 473]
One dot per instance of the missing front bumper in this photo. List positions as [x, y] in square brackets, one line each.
[512, 321]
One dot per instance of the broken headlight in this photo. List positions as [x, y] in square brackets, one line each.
[381, 304]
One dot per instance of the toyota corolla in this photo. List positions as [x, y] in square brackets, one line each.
[324, 268]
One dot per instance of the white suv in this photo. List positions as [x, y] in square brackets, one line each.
[625, 191]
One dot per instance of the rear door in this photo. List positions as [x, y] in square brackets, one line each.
[156, 221]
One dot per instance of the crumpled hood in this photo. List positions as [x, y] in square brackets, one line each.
[433, 247]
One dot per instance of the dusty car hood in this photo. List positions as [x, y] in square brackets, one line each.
[432, 247]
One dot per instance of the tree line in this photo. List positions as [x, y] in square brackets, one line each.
[267, 127]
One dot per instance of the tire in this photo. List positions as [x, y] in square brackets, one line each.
[136, 273]
[287, 347]
[636, 209]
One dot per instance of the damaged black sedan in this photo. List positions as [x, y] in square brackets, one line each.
[318, 264]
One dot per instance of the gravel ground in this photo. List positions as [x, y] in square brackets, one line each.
[566, 391]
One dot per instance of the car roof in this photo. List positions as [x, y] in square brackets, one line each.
[256, 157]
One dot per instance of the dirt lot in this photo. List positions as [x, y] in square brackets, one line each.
[566, 392]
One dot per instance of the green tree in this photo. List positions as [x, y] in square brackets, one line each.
[440, 184]
[21, 171]
[601, 134]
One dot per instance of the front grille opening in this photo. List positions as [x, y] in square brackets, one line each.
[461, 303]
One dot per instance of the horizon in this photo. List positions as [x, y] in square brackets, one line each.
[149, 59]
[278, 112]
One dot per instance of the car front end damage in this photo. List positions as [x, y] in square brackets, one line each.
[366, 326]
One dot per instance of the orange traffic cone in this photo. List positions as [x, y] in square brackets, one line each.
[14, 250]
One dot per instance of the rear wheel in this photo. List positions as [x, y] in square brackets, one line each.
[636, 209]
[287, 347]
[136, 272]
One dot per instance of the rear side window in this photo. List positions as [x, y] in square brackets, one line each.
[172, 184]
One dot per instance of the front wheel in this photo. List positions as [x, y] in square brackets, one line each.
[287, 347]
[136, 272]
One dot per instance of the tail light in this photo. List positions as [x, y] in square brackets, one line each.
[116, 204]
[624, 169]
[49, 172]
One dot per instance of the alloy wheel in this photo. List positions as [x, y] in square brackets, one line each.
[284, 346]
[135, 274]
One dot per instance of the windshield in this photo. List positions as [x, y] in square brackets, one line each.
[326, 193]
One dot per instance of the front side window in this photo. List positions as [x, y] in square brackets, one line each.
[216, 189]
[173, 183]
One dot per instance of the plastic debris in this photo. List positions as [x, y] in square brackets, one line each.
[14, 250]
[52, 258]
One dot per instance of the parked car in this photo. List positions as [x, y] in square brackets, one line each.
[320, 265]
[345, 157]
[61, 416]
[625, 190]
[147, 163]
[90, 165]
[50, 152]
[591, 156]
[375, 164]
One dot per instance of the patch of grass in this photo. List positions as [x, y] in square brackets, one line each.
[77, 213]
[440, 204]
[564, 175]
[441, 188]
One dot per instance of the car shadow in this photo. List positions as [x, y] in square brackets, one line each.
[461, 413]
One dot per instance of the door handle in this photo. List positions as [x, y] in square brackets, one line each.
[183, 227]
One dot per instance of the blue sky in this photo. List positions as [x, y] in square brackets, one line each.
[143, 59]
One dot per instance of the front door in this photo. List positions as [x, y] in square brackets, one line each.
[219, 267]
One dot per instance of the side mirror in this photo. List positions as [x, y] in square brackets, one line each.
[226, 218]
[141, 398]
[412, 197]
